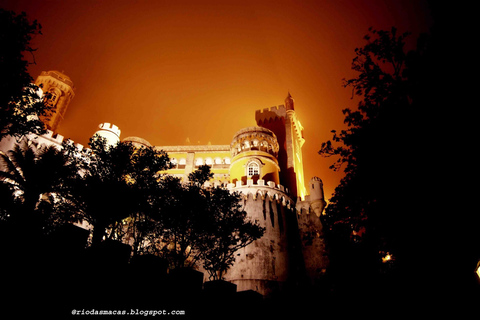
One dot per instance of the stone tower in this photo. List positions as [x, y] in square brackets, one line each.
[110, 132]
[61, 91]
[317, 201]
[282, 120]
[262, 266]
[310, 230]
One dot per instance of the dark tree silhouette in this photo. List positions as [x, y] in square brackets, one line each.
[113, 182]
[20, 102]
[193, 222]
[365, 218]
[37, 177]
[184, 215]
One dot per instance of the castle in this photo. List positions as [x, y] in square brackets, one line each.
[264, 164]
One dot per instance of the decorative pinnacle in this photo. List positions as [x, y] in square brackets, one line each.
[289, 102]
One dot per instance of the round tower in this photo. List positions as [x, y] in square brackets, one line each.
[110, 132]
[310, 229]
[263, 265]
[317, 201]
[254, 156]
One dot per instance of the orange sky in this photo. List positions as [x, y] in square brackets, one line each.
[168, 70]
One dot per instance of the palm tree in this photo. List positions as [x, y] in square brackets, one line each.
[35, 174]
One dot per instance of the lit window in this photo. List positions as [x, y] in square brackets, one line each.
[253, 169]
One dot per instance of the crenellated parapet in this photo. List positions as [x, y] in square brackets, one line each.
[51, 138]
[270, 114]
[261, 190]
[110, 127]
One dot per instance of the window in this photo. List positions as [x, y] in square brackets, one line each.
[253, 169]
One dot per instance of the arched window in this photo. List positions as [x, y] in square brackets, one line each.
[209, 161]
[253, 169]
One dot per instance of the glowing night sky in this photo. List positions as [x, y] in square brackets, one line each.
[171, 70]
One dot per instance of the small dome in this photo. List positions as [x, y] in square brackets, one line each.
[137, 142]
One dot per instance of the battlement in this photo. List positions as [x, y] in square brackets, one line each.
[272, 113]
[110, 127]
[55, 139]
[270, 189]
[317, 179]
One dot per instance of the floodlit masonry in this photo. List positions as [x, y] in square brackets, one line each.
[264, 163]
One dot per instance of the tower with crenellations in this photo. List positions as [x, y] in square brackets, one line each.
[283, 121]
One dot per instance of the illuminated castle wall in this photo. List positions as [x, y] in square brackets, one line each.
[60, 92]
[264, 164]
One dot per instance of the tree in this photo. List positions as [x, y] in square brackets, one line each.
[365, 218]
[37, 177]
[197, 222]
[184, 217]
[114, 184]
[21, 102]
[230, 231]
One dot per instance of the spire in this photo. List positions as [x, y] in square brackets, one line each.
[289, 102]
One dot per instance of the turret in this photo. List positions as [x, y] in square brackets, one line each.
[317, 201]
[282, 120]
[289, 102]
[254, 172]
[110, 132]
[254, 151]
[60, 91]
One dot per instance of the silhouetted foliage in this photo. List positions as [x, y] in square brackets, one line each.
[366, 216]
[20, 102]
[37, 178]
[188, 222]
[113, 184]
